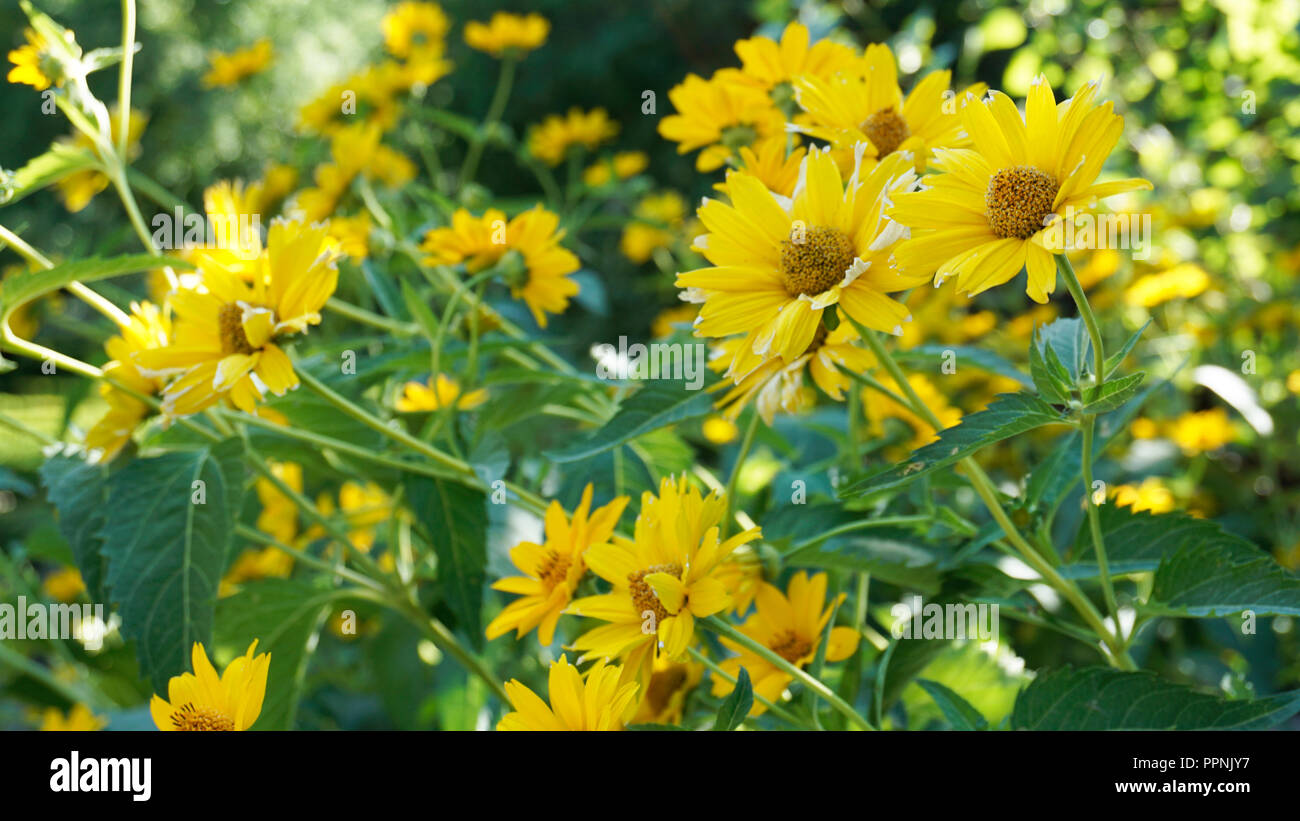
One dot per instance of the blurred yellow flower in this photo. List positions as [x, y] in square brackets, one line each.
[625, 164]
[1151, 496]
[551, 140]
[77, 719]
[438, 393]
[414, 27]
[64, 584]
[32, 65]
[879, 407]
[655, 218]
[665, 696]
[229, 69]
[1201, 431]
[720, 117]
[663, 323]
[767, 160]
[767, 64]
[202, 700]
[507, 34]
[1182, 281]
[719, 430]
[80, 187]
[148, 328]
[351, 235]
[599, 702]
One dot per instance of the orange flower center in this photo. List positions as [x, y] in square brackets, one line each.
[643, 595]
[230, 322]
[886, 129]
[1019, 199]
[189, 717]
[555, 570]
[791, 646]
[815, 261]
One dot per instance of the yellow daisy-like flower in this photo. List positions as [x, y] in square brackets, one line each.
[768, 161]
[538, 273]
[149, 328]
[598, 703]
[656, 217]
[1182, 281]
[719, 430]
[719, 116]
[438, 393]
[351, 235]
[778, 264]
[791, 626]
[32, 65]
[277, 182]
[226, 331]
[552, 570]
[741, 574]
[414, 27]
[625, 164]
[508, 33]
[229, 69]
[364, 507]
[77, 719]
[1151, 496]
[878, 407]
[989, 214]
[1202, 431]
[202, 700]
[665, 696]
[64, 584]
[231, 209]
[767, 64]
[551, 140]
[80, 187]
[868, 106]
[278, 519]
[664, 578]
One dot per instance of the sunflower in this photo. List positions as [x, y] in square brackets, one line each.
[33, 65]
[226, 331]
[719, 116]
[553, 569]
[534, 264]
[551, 140]
[791, 626]
[413, 28]
[778, 263]
[664, 578]
[78, 719]
[439, 392]
[987, 215]
[598, 703]
[768, 64]
[229, 69]
[80, 187]
[203, 701]
[148, 328]
[867, 106]
[508, 34]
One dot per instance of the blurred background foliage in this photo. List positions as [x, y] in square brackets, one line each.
[1209, 93]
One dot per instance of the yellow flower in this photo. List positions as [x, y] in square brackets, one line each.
[654, 217]
[718, 116]
[768, 161]
[80, 187]
[791, 627]
[149, 328]
[255, 563]
[279, 516]
[1151, 495]
[625, 164]
[1182, 281]
[778, 264]
[767, 64]
[665, 696]
[664, 578]
[879, 407]
[436, 394]
[370, 97]
[351, 235]
[64, 584]
[551, 140]
[1202, 431]
[741, 574]
[229, 69]
[990, 213]
[226, 332]
[1293, 381]
[507, 33]
[204, 701]
[538, 272]
[78, 719]
[231, 208]
[354, 149]
[598, 703]
[552, 570]
[414, 27]
[32, 65]
[364, 508]
[719, 430]
[663, 324]
[276, 183]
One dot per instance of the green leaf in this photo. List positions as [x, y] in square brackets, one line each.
[889, 554]
[655, 404]
[959, 712]
[453, 517]
[1116, 359]
[1009, 414]
[166, 552]
[22, 288]
[420, 310]
[1069, 339]
[1099, 698]
[737, 705]
[78, 490]
[46, 169]
[965, 354]
[1111, 395]
[1049, 375]
[282, 615]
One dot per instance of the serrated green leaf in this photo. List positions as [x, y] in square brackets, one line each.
[737, 705]
[889, 554]
[655, 405]
[166, 553]
[1111, 395]
[24, 287]
[1116, 359]
[78, 491]
[959, 712]
[1009, 414]
[46, 169]
[1068, 337]
[1048, 378]
[1099, 698]
[453, 517]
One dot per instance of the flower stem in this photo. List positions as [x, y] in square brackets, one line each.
[374, 320]
[1075, 288]
[505, 81]
[733, 479]
[779, 712]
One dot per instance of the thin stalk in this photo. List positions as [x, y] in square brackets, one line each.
[255, 535]
[745, 445]
[779, 712]
[505, 81]
[374, 320]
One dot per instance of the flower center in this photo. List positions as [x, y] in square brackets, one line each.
[738, 136]
[643, 595]
[230, 321]
[555, 570]
[190, 717]
[1019, 199]
[791, 647]
[816, 262]
[886, 129]
[663, 685]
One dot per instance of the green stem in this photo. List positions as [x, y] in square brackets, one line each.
[505, 81]
[720, 627]
[1094, 525]
[374, 320]
[779, 712]
[124, 76]
[255, 535]
[745, 445]
[1075, 288]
